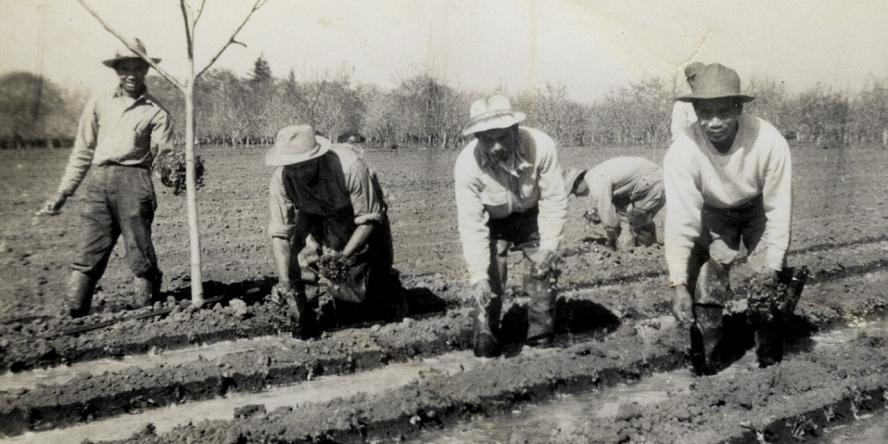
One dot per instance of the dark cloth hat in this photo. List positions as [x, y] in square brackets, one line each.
[692, 70]
[715, 81]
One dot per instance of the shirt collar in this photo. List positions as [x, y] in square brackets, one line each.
[119, 92]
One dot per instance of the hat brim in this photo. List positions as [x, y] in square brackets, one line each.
[276, 156]
[110, 62]
[494, 122]
[571, 178]
[692, 97]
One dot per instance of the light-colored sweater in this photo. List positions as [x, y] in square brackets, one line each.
[695, 173]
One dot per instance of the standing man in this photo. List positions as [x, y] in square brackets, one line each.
[625, 195]
[120, 134]
[329, 231]
[683, 112]
[509, 193]
[728, 183]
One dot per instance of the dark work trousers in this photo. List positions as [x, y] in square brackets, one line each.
[520, 231]
[724, 230]
[517, 231]
[120, 202]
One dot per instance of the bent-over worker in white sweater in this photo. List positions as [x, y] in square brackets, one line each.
[728, 181]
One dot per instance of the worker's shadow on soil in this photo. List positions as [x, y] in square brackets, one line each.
[576, 320]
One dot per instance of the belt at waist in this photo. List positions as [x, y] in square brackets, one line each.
[755, 201]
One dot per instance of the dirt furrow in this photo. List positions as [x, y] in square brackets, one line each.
[779, 402]
[633, 295]
[90, 397]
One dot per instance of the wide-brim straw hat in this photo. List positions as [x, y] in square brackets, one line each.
[572, 177]
[295, 144]
[124, 53]
[715, 81]
[492, 113]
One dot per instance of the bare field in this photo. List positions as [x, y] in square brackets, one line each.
[613, 311]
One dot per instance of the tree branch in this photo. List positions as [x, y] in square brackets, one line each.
[131, 47]
[188, 30]
[197, 16]
[256, 5]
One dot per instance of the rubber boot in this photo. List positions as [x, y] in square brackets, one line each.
[485, 322]
[770, 309]
[301, 320]
[706, 335]
[147, 290]
[540, 311]
[710, 293]
[80, 293]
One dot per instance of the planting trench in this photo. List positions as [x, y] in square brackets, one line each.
[613, 281]
[729, 406]
[91, 397]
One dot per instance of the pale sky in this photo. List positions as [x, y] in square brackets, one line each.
[589, 46]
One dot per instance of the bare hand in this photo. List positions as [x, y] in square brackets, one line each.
[53, 205]
[543, 260]
[481, 290]
[682, 303]
[279, 293]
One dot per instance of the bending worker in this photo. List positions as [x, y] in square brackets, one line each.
[625, 193]
[728, 183]
[509, 193]
[330, 233]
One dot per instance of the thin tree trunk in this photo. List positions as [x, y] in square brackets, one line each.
[197, 298]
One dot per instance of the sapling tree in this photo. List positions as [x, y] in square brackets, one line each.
[190, 17]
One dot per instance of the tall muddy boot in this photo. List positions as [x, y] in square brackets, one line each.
[706, 335]
[541, 311]
[711, 292]
[302, 322]
[80, 292]
[147, 290]
[770, 306]
[485, 324]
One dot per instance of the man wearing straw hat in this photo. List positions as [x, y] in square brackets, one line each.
[625, 193]
[683, 112]
[728, 183]
[509, 193]
[326, 205]
[120, 134]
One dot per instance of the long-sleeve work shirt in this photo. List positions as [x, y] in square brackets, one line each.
[488, 189]
[366, 201]
[696, 174]
[117, 129]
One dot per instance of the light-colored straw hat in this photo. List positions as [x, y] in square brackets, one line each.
[295, 144]
[124, 53]
[491, 113]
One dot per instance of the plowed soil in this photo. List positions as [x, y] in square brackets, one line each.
[612, 314]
